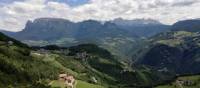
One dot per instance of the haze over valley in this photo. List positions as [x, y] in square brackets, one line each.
[99, 44]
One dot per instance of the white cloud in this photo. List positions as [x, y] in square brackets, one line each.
[14, 15]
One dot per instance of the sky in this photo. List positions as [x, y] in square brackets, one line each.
[15, 13]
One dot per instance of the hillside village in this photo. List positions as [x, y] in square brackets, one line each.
[184, 82]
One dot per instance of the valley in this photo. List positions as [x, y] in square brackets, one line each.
[99, 44]
[96, 58]
[39, 66]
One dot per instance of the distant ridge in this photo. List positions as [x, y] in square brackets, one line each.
[120, 21]
[187, 25]
[116, 38]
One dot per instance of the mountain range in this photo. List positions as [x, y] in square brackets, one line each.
[157, 53]
[141, 27]
[118, 36]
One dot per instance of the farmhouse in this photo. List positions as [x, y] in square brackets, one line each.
[69, 80]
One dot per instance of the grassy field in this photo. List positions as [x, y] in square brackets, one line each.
[80, 84]
[55, 84]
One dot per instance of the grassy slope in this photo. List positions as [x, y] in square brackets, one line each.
[43, 66]
[46, 67]
[32, 68]
[80, 84]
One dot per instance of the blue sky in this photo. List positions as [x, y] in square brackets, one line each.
[15, 13]
[73, 2]
[70, 2]
[8, 1]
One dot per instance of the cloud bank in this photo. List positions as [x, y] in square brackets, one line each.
[15, 14]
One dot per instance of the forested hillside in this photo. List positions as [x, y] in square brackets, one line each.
[176, 51]
[38, 67]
